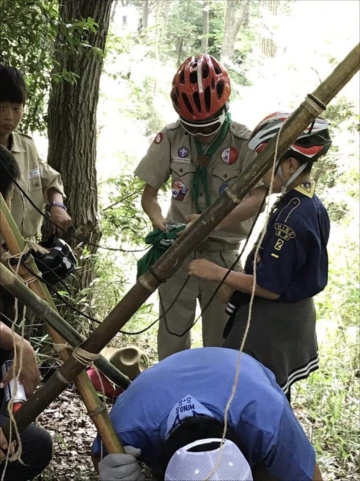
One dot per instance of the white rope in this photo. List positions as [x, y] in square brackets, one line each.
[16, 374]
[84, 357]
[238, 364]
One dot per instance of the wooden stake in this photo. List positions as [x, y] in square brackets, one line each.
[231, 197]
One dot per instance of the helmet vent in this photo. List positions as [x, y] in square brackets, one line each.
[205, 71]
[217, 69]
[187, 103]
[219, 89]
[182, 77]
[196, 98]
[174, 99]
[193, 77]
[207, 94]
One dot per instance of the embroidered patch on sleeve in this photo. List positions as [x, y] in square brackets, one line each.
[284, 231]
[158, 138]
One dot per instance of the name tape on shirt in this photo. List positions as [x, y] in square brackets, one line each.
[284, 231]
[34, 173]
[187, 407]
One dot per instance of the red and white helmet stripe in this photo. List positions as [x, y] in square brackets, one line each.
[311, 143]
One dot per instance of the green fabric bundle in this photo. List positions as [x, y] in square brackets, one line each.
[160, 242]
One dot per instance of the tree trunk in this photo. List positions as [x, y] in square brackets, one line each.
[205, 27]
[268, 46]
[179, 48]
[72, 123]
[158, 28]
[235, 18]
[145, 16]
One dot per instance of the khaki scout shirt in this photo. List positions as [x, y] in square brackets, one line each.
[36, 178]
[173, 153]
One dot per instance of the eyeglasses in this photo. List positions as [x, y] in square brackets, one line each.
[205, 129]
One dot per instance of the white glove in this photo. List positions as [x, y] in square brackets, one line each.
[124, 467]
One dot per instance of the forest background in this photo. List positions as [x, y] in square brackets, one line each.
[276, 52]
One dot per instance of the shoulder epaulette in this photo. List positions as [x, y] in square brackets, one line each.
[240, 131]
[173, 125]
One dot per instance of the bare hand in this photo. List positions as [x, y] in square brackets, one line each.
[4, 445]
[159, 223]
[60, 217]
[190, 219]
[205, 269]
[29, 373]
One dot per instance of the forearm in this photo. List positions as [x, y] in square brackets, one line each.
[54, 195]
[245, 210]
[151, 208]
[9, 340]
[150, 205]
[244, 283]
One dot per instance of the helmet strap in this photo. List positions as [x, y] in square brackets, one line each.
[292, 177]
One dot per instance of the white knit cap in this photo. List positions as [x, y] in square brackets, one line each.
[186, 465]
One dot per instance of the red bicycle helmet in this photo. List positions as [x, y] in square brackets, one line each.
[200, 88]
[311, 144]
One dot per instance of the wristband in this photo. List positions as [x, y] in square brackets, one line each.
[55, 202]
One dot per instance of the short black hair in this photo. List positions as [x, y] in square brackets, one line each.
[190, 430]
[12, 85]
[9, 170]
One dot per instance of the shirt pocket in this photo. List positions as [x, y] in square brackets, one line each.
[222, 176]
[35, 184]
[182, 174]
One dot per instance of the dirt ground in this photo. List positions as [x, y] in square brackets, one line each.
[73, 434]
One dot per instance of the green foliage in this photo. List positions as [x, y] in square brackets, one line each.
[27, 33]
[340, 167]
[28, 30]
[329, 399]
[184, 23]
[123, 218]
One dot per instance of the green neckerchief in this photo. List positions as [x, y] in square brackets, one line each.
[200, 176]
[160, 242]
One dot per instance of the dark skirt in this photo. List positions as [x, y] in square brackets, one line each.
[282, 337]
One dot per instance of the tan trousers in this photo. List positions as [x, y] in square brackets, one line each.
[182, 314]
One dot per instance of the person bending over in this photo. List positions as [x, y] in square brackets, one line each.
[171, 418]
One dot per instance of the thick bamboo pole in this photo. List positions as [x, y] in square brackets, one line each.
[147, 283]
[42, 309]
[96, 409]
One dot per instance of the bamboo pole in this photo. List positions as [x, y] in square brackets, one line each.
[96, 409]
[41, 309]
[231, 197]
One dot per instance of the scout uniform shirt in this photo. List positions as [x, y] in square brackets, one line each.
[173, 153]
[36, 178]
[293, 259]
